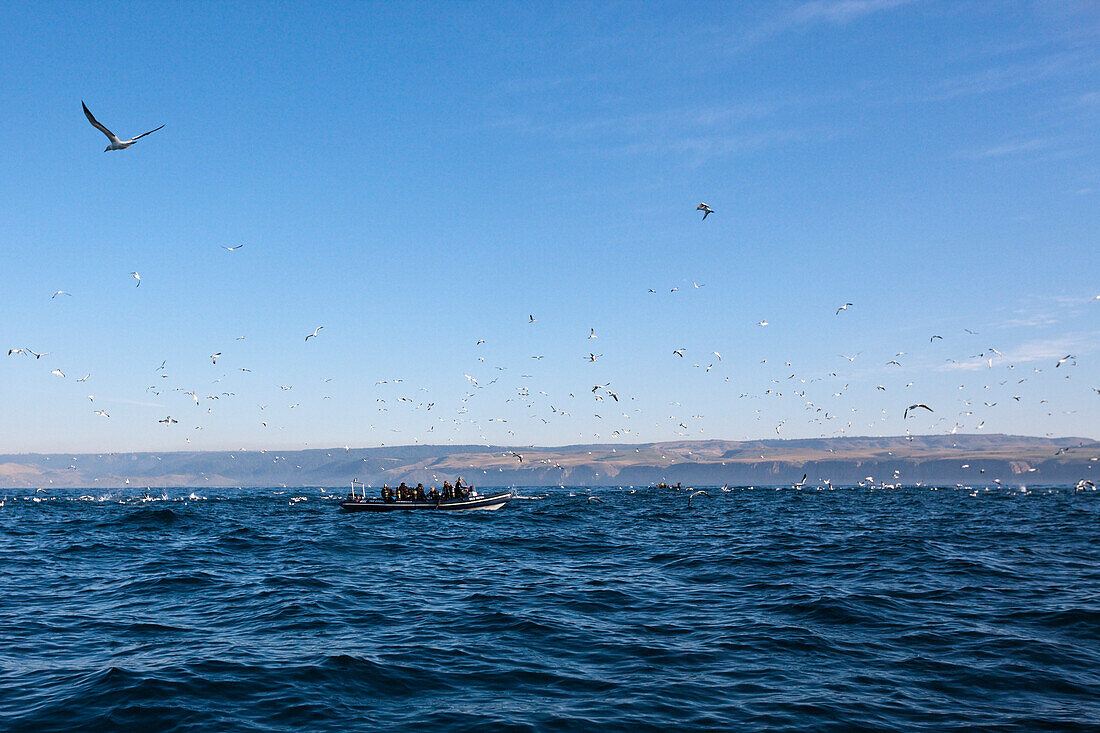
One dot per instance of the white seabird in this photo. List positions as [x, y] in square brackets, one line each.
[116, 144]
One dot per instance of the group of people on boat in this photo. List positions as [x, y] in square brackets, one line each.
[404, 492]
[663, 485]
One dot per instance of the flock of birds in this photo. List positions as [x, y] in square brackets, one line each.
[821, 395]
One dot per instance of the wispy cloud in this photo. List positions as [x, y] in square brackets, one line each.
[838, 12]
[808, 15]
[1011, 148]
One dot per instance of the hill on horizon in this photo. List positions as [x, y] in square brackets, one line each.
[942, 459]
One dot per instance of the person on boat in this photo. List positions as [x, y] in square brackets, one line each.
[420, 493]
[403, 492]
[433, 495]
[447, 491]
[387, 493]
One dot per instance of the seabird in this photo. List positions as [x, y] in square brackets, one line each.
[60, 292]
[678, 352]
[214, 357]
[843, 308]
[136, 277]
[762, 323]
[914, 407]
[35, 354]
[934, 338]
[697, 493]
[168, 420]
[1064, 359]
[16, 351]
[233, 248]
[116, 144]
[314, 334]
[592, 333]
[707, 211]
[58, 372]
[532, 319]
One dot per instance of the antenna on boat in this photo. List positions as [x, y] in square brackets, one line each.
[355, 481]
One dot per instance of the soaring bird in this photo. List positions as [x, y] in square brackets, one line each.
[531, 319]
[592, 333]
[678, 352]
[234, 248]
[762, 323]
[136, 277]
[314, 334]
[214, 357]
[914, 407]
[1064, 359]
[116, 144]
[707, 211]
[16, 351]
[844, 307]
[60, 292]
[934, 337]
[168, 420]
[697, 493]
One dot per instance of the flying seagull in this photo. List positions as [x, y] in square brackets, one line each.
[60, 292]
[707, 211]
[116, 144]
[914, 407]
[314, 334]
[844, 307]
[697, 493]
[136, 277]
[1064, 359]
[233, 248]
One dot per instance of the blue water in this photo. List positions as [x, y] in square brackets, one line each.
[908, 609]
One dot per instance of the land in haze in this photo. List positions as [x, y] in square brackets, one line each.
[930, 459]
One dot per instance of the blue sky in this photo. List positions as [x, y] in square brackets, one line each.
[417, 177]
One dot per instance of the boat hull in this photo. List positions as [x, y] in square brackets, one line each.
[481, 503]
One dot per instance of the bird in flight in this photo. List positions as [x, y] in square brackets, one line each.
[762, 323]
[934, 338]
[214, 357]
[35, 354]
[707, 211]
[914, 407]
[116, 144]
[697, 493]
[16, 351]
[844, 307]
[1064, 359]
[233, 248]
[592, 333]
[678, 352]
[314, 334]
[136, 277]
[532, 319]
[168, 420]
[60, 292]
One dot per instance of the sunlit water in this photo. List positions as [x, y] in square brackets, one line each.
[270, 609]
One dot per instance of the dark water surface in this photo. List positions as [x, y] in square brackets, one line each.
[908, 609]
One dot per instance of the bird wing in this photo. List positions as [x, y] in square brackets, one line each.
[95, 123]
[133, 139]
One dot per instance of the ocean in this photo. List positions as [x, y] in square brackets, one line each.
[915, 609]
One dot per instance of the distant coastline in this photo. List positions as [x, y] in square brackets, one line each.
[929, 459]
